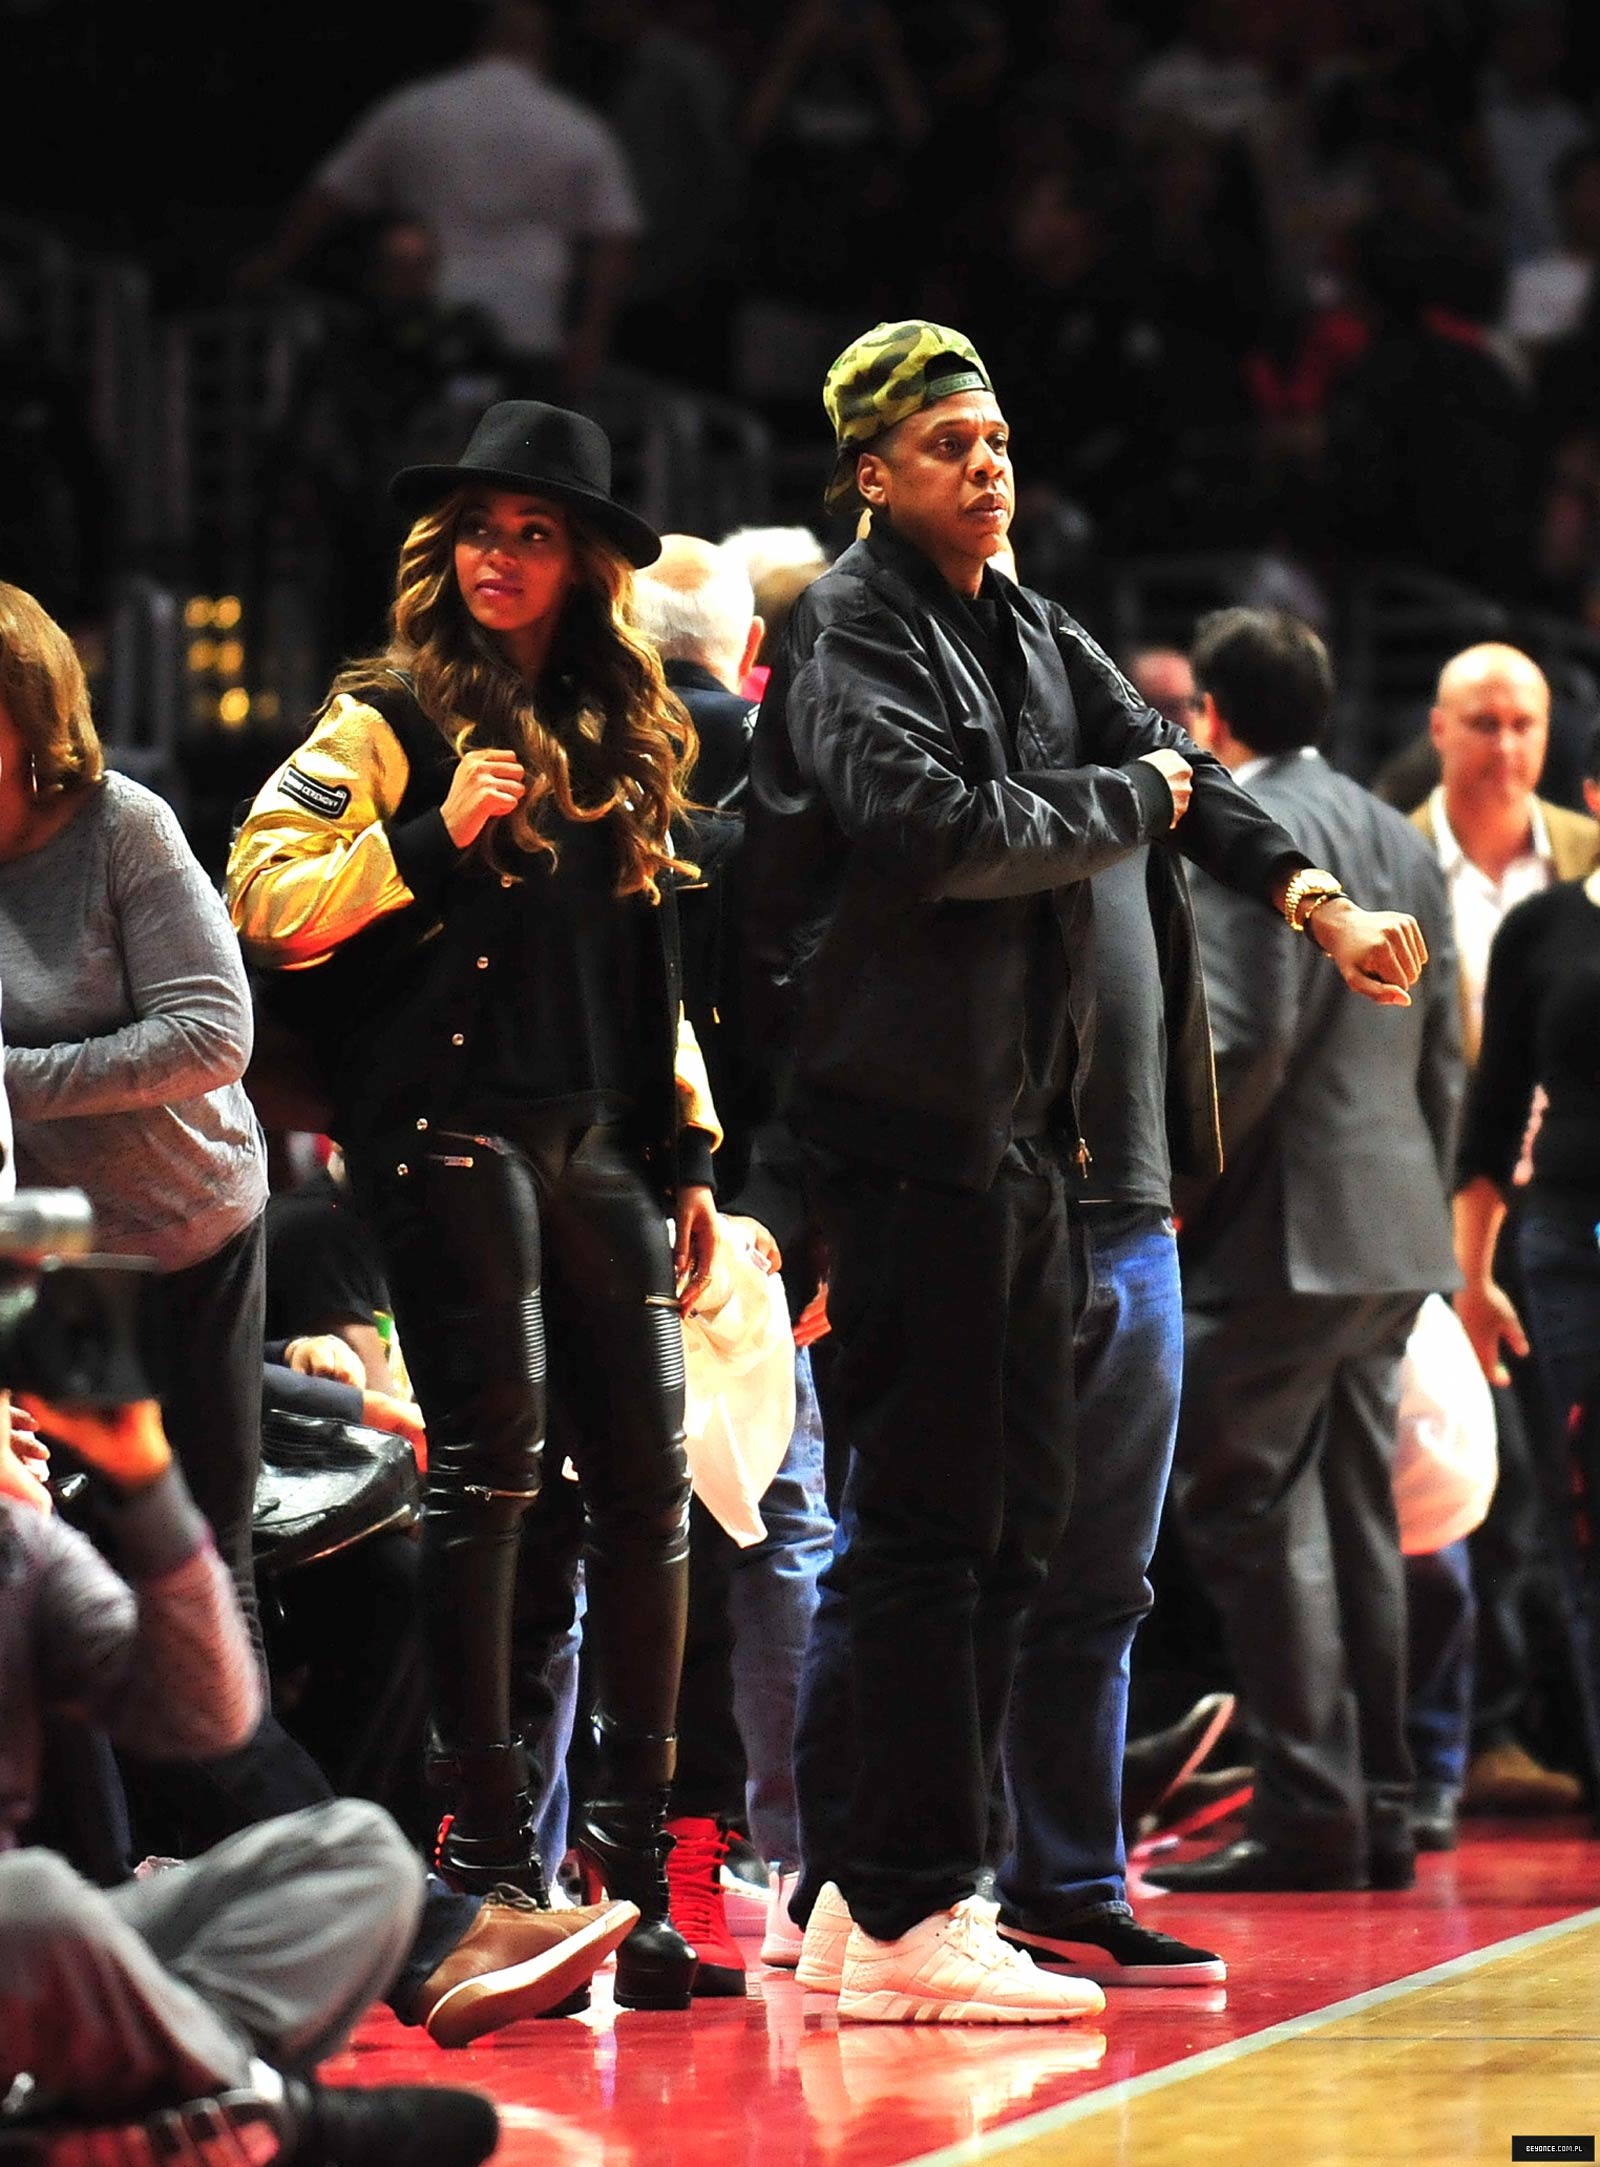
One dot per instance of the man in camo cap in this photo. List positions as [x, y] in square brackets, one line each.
[888, 374]
[942, 761]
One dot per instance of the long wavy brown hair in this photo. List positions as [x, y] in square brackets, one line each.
[600, 735]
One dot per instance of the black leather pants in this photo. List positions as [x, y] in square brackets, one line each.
[495, 1249]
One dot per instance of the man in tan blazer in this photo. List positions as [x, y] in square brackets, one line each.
[1497, 842]
[1496, 839]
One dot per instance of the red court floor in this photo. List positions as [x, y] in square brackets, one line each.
[775, 2078]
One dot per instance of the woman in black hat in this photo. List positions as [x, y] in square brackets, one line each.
[469, 870]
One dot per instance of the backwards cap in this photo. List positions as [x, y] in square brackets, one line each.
[889, 372]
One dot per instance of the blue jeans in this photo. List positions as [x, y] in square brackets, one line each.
[552, 1798]
[773, 1599]
[1064, 1736]
[1441, 1622]
[1063, 1740]
[1559, 1250]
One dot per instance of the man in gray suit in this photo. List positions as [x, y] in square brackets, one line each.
[1304, 1266]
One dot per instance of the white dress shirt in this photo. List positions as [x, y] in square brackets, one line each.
[1477, 903]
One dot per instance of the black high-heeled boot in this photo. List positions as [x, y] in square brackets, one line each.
[622, 1845]
[485, 1838]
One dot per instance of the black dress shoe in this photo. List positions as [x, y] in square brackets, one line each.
[1154, 1764]
[1433, 1817]
[1250, 1867]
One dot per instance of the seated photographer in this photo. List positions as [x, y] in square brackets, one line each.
[198, 2002]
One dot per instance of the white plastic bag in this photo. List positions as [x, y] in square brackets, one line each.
[738, 1350]
[1445, 1459]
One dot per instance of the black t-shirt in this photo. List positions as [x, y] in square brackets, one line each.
[1123, 1098]
[322, 1266]
[1541, 1025]
[1049, 1045]
[556, 1031]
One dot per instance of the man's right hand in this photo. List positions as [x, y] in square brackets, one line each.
[487, 784]
[1490, 1321]
[1178, 776]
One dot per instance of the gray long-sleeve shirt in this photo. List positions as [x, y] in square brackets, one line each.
[161, 1659]
[128, 1025]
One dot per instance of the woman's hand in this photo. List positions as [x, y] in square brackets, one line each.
[695, 1251]
[325, 1354]
[1491, 1323]
[488, 783]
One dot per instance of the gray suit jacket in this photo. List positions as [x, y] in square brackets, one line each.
[1338, 1116]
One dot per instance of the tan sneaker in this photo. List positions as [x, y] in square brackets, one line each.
[516, 1960]
[953, 1968]
[822, 1950]
[1507, 1779]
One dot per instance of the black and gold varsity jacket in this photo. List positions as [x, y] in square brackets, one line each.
[381, 939]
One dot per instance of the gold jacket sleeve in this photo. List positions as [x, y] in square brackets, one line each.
[695, 1110]
[301, 880]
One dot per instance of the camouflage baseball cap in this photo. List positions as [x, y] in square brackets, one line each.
[889, 372]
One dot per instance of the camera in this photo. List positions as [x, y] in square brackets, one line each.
[74, 1326]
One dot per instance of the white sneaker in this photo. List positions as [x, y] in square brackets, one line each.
[953, 1968]
[782, 1942]
[822, 1950]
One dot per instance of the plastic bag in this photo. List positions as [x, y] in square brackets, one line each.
[1446, 1461]
[738, 1351]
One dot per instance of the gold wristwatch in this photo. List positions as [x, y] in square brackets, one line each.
[1307, 891]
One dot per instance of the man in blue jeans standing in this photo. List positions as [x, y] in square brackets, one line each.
[1062, 1886]
[1147, 1104]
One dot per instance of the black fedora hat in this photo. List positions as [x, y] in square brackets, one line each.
[544, 451]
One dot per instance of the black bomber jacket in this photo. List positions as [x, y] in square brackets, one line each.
[900, 850]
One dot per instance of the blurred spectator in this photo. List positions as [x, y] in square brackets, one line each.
[673, 101]
[397, 370]
[1528, 125]
[1213, 73]
[831, 116]
[1566, 384]
[782, 562]
[60, 515]
[1428, 459]
[1549, 292]
[1082, 58]
[1199, 229]
[962, 52]
[1312, 177]
[1164, 679]
[526, 190]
